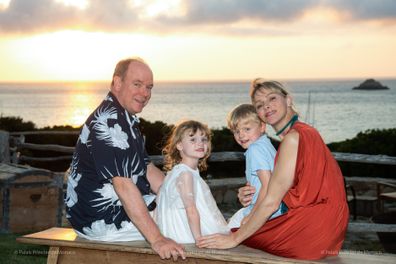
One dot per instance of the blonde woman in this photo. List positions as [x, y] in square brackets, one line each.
[306, 178]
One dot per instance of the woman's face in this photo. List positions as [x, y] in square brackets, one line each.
[271, 106]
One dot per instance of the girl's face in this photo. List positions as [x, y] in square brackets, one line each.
[271, 106]
[193, 145]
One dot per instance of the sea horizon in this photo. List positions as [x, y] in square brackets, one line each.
[202, 81]
[331, 106]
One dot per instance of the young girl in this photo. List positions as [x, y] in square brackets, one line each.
[186, 209]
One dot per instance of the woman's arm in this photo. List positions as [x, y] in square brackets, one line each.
[279, 184]
[264, 177]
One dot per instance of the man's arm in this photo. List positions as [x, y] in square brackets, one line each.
[155, 177]
[136, 210]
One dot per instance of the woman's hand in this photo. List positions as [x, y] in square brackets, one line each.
[217, 241]
[245, 219]
[245, 194]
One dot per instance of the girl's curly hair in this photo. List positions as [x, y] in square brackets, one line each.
[171, 153]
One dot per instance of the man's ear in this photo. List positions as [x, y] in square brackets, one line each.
[117, 83]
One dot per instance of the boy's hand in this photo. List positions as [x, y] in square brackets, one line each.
[245, 194]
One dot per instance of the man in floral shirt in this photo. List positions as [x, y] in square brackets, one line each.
[111, 184]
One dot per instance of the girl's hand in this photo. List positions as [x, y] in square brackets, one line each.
[217, 241]
[245, 194]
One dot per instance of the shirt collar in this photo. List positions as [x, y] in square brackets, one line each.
[132, 118]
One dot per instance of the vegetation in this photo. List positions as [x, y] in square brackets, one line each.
[17, 253]
[368, 142]
[374, 142]
[15, 124]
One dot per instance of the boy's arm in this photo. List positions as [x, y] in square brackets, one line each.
[264, 176]
[185, 187]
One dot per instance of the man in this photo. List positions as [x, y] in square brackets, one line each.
[111, 185]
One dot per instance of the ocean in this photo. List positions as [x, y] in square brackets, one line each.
[331, 106]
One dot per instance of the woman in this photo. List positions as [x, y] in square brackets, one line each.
[306, 178]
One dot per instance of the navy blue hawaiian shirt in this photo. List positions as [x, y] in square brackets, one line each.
[110, 144]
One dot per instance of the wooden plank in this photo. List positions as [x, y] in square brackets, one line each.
[76, 250]
[66, 238]
[45, 159]
[45, 132]
[361, 257]
[53, 254]
[69, 255]
[46, 147]
[4, 146]
[365, 158]
[348, 157]
[371, 227]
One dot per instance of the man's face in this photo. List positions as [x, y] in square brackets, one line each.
[134, 92]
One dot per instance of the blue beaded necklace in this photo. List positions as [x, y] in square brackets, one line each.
[290, 123]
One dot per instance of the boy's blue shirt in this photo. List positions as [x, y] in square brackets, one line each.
[260, 155]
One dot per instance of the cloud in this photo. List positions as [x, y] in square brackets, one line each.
[131, 16]
[228, 11]
[25, 16]
[365, 9]
[52, 15]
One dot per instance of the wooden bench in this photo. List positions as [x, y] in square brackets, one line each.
[66, 247]
[383, 195]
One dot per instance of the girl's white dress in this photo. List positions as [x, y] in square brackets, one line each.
[181, 188]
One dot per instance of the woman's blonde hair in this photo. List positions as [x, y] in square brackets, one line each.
[171, 153]
[259, 84]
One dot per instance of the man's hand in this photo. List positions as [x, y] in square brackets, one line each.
[245, 194]
[136, 210]
[167, 248]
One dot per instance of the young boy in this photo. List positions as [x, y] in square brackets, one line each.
[249, 132]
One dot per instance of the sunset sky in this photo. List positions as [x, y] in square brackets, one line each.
[191, 40]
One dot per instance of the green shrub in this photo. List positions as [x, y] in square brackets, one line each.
[15, 124]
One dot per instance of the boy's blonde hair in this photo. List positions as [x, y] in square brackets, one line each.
[242, 113]
[171, 153]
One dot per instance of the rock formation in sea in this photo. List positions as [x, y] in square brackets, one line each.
[370, 84]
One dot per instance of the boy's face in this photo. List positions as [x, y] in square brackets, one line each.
[248, 132]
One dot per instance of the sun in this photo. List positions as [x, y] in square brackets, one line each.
[4, 4]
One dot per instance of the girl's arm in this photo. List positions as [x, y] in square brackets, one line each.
[185, 187]
[264, 176]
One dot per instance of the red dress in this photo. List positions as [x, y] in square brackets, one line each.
[318, 215]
